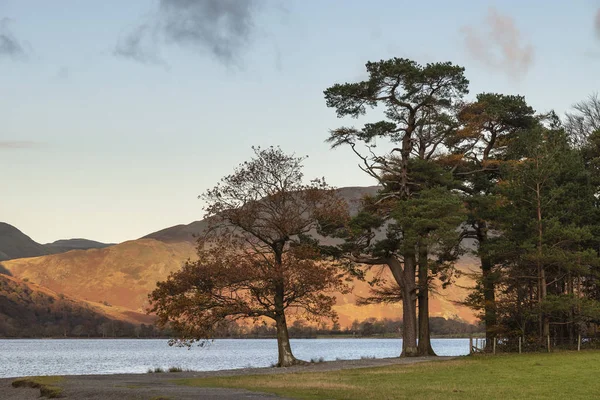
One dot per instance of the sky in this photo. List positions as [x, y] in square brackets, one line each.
[115, 115]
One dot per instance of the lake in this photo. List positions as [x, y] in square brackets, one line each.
[27, 357]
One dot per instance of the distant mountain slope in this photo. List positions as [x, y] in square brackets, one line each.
[121, 275]
[124, 274]
[64, 245]
[15, 244]
[186, 233]
[179, 233]
[29, 310]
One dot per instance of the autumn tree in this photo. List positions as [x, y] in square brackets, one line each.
[257, 259]
[417, 103]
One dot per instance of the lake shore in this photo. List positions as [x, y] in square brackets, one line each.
[155, 385]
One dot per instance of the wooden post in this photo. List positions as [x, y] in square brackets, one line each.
[470, 344]
[519, 344]
[579, 342]
[548, 337]
[494, 345]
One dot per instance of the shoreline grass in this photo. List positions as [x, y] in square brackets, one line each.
[571, 375]
[46, 384]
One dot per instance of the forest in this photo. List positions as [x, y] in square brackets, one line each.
[484, 175]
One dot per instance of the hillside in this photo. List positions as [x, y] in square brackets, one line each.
[64, 245]
[29, 310]
[15, 244]
[122, 275]
[185, 233]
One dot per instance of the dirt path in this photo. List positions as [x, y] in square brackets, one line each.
[148, 386]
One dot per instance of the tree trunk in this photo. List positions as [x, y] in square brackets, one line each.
[424, 346]
[405, 277]
[284, 350]
[544, 320]
[488, 281]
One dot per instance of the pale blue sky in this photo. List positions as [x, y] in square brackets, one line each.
[117, 149]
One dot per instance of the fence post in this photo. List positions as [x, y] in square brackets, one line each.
[470, 344]
[494, 345]
[579, 342]
[519, 344]
[548, 337]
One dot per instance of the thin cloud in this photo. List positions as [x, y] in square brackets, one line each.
[498, 44]
[221, 28]
[597, 24]
[63, 73]
[10, 46]
[140, 45]
[17, 144]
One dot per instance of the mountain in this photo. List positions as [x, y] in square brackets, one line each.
[30, 310]
[122, 275]
[179, 233]
[15, 244]
[64, 245]
[186, 233]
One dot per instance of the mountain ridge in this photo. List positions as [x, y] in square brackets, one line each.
[15, 244]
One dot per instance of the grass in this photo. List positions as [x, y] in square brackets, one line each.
[46, 384]
[159, 370]
[569, 375]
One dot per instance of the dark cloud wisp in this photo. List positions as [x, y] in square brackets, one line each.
[221, 28]
[9, 44]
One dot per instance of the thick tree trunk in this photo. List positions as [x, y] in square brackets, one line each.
[424, 346]
[284, 350]
[488, 281]
[405, 277]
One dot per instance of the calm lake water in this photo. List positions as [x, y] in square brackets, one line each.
[29, 357]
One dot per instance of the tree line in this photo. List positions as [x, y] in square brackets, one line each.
[487, 176]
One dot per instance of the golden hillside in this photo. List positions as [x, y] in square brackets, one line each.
[124, 274]
[28, 309]
[120, 275]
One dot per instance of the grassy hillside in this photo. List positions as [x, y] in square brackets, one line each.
[124, 274]
[120, 275]
[29, 310]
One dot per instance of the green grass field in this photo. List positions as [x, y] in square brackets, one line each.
[567, 375]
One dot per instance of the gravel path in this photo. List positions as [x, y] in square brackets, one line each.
[148, 386]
